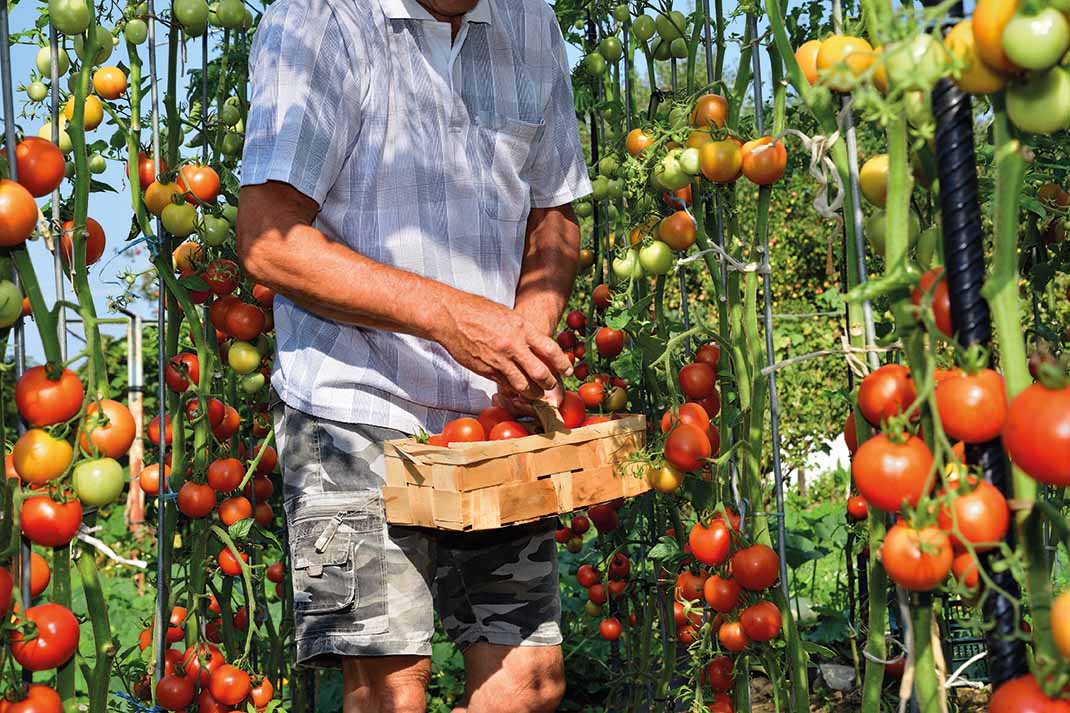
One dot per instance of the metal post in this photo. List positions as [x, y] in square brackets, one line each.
[135, 394]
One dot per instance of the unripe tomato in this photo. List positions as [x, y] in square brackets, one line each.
[677, 231]
[806, 57]
[710, 110]
[243, 357]
[873, 180]
[1037, 41]
[721, 161]
[157, 195]
[976, 77]
[990, 18]
[842, 59]
[38, 457]
[179, 220]
[98, 482]
[764, 160]
[1040, 104]
[656, 258]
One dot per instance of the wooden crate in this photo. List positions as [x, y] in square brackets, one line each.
[492, 484]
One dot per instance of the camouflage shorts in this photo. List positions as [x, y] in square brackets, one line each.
[365, 588]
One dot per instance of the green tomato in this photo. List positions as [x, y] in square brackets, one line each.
[214, 230]
[661, 50]
[583, 209]
[232, 144]
[656, 258]
[191, 13]
[643, 27]
[928, 248]
[620, 13]
[71, 17]
[264, 345]
[136, 31]
[919, 107]
[600, 188]
[611, 48]
[69, 169]
[616, 189]
[672, 26]
[669, 174]
[195, 30]
[98, 482]
[45, 132]
[44, 62]
[689, 161]
[594, 64]
[10, 303]
[679, 117]
[608, 167]
[213, 14]
[97, 163]
[916, 64]
[627, 266]
[243, 357]
[612, 211]
[104, 46]
[876, 230]
[678, 48]
[592, 610]
[231, 14]
[1037, 41]
[1041, 104]
[253, 382]
[248, 19]
[36, 91]
[230, 212]
[179, 219]
[229, 115]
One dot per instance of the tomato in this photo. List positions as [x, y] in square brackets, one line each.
[604, 518]
[964, 569]
[722, 594]
[843, 59]
[11, 303]
[149, 478]
[491, 417]
[806, 57]
[507, 430]
[597, 594]
[215, 412]
[157, 195]
[732, 636]
[223, 276]
[38, 457]
[1060, 623]
[626, 265]
[49, 523]
[146, 171]
[268, 461]
[656, 258]
[690, 413]
[43, 402]
[243, 357]
[175, 693]
[981, 514]
[601, 297]
[263, 514]
[55, 642]
[39, 698]
[463, 430]
[274, 572]
[7, 585]
[18, 214]
[40, 575]
[764, 160]
[687, 448]
[918, 560]
[857, 508]
[182, 369]
[609, 341]
[154, 430]
[885, 392]
[677, 231]
[234, 510]
[610, 628]
[225, 474]
[710, 545]
[1023, 695]
[244, 321]
[665, 479]
[711, 405]
[1036, 41]
[112, 432]
[109, 82]
[637, 141]
[710, 110]
[1037, 433]
[990, 18]
[850, 433]
[196, 499]
[720, 674]
[98, 482]
[95, 240]
[690, 586]
[876, 230]
[229, 426]
[593, 393]
[1041, 103]
[228, 563]
[976, 77]
[886, 472]
[756, 567]
[973, 407]
[260, 488]
[873, 179]
[41, 165]
[262, 693]
[200, 661]
[587, 576]
[92, 115]
[761, 621]
[179, 220]
[933, 283]
[709, 354]
[697, 380]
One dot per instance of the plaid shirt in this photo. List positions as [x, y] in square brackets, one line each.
[429, 170]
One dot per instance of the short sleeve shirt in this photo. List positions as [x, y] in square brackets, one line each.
[424, 161]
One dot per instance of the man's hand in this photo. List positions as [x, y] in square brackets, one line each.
[500, 344]
[520, 406]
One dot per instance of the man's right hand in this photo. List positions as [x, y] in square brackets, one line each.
[500, 344]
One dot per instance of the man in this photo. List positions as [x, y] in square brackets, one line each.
[407, 181]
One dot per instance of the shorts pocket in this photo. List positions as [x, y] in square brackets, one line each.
[339, 560]
[505, 152]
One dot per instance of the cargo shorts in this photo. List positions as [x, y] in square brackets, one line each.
[366, 588]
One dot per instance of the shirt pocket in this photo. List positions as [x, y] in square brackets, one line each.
[505, 154]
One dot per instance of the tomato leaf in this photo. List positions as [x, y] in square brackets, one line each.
[240, 529]
[667, 548]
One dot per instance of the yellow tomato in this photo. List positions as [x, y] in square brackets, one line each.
[873, 180]
[109, 82]
[698, 138]
[94, 112]
[185, 255]
[1060, 623]
[806, 57]
[665, 479]
[977, 77]
[842, 59]
[158, 196]
[39, 458]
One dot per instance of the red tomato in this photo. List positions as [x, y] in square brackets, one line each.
[264, 295]
[507, 430]
[850, 433]
[690, 586]
[1023, 695]
[49, 523]
[886, 473]
[154, 430]
[710, 545]
[732, 636]
[687, 448]
[217, 313]
[44, 402]
[609, 628]
[216, 411]
[491, 417]
[196, 500]
[95, 241]
[229, 564]
[604, 518]
[580, 524]
[756, 567]
[566, 340]
[229, 426]
[573, 412]
[268, 461]
[597, 594]
[601, 297]
[761, 621]
[933, 282]
[690, 413]
[720, 674]
[146, 169]
[587, 576]
[918, 560]
[244, 321]
[964, 568]
[39, 697]
[1037, 433]
[576, 320]
[18, 214]
[857, 508]
[973, 407]
[620, 566]
[764, 160]
[222, 276]
[181, 370]
[56, 640]
[40, 575]
[262, 693]
[200, 661]
[886, 392]
[709, 354]
[593, 393]
[112, 433]
[263, 514]
[610, 342]
[698, 380]
[234, 510]
[7, 585]
[200, 183]
[41, 165]
[175, 693]
[261, 488]
[463, 430]
[225, 474]
[722, 594]
[981, 514]
[149, 478]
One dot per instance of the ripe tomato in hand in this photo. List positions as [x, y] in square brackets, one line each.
[56, 640]
[761, 621]
[885, 392]
[1036, 433]
[573, 412]
[918, 560]
[44, 402]
[463, 430]
[886, 473]
[491, 417]
[710, 545]
[756, 567]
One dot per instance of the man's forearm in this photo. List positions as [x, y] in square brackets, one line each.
[548, 271]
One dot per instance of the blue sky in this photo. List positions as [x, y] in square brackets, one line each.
[112, 210]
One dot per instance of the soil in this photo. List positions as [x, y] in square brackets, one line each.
[966, 700]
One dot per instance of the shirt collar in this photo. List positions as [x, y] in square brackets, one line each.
[412, 10]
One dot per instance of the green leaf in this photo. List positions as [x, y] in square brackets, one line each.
[240, 529]
[666, 548]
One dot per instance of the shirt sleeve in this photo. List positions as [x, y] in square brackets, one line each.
[304, 108]
[559, 169]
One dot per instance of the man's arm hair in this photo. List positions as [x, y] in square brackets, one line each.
[551, 257]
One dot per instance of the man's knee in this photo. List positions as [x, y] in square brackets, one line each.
[538, 683]
[384, 685]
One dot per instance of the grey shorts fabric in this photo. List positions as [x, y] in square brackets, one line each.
[366, 588]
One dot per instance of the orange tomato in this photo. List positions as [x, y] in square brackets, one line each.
[94, 241]
[976, 77]
[710, 110]
[18, 214]
[764, 160]
[806, 57]
[636, 141]
[990, 17]
[843, 59]
[158, 196]
[109, 82]
[185, 255]
[677, 231]
[721, 161]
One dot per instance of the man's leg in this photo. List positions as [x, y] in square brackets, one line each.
[503, 679]
[385, 684]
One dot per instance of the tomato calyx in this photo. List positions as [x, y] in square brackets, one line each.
[1054, 374]
[897, 429]
[972, 359]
